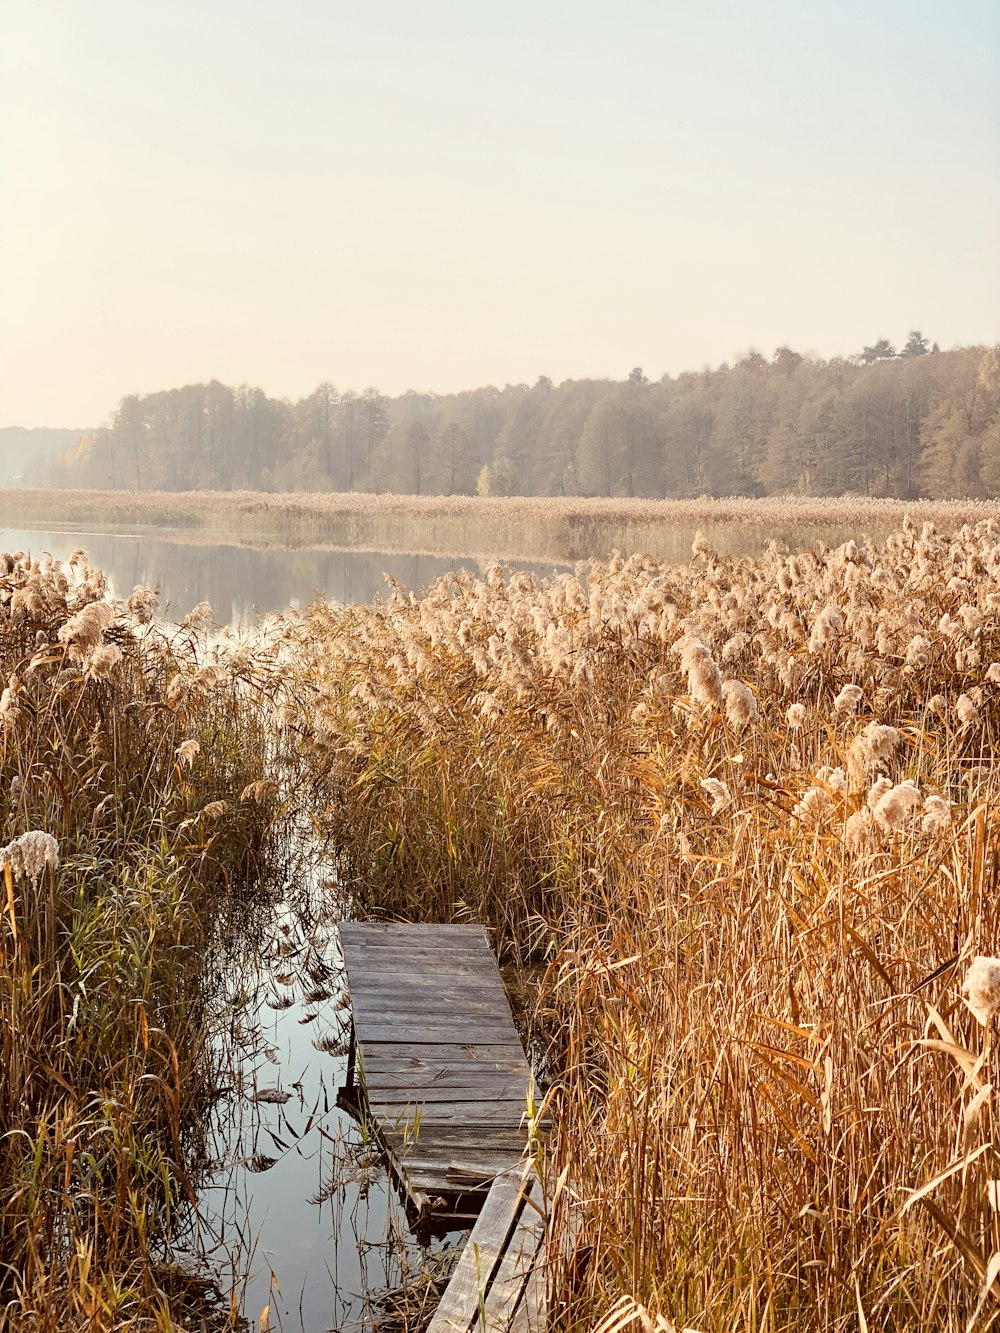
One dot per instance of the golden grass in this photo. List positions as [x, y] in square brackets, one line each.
[114, 736]
[753, 895]
[736, 816]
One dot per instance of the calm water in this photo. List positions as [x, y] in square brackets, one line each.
[310, 1226]
[238, 581]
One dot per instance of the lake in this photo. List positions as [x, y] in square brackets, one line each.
[239, 581]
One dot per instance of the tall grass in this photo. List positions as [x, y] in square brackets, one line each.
[123, 757]
[753, 893]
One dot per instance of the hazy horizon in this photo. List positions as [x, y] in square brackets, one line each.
[452, 197]
[619, 376]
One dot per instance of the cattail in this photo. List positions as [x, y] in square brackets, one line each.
[700, 547]
[937, 704]
[30, 855]
[796, 715]
[10, 710]
[103, 660]
[260, 791]
[993, 673]
[874, 747]
[741, 706]
[734, 646]
[918, 651]
[141, 604]
[937, 817]
[719, 792]
[859, 829]
[177, 690]
[82, 632]
[210, 677]
[834, 778]
[488, 704]
[826, 627]
[848, 699]
[966, 711]
[948, 627]
[877, 790]
[704, 681]
[813, 808]
[897, 805]
[981, 988]
[199, 617]
[187, 752]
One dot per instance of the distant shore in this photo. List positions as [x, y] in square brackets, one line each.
[526, 528]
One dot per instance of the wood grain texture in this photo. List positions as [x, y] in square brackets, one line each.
[439, 1059]
[492, 1280]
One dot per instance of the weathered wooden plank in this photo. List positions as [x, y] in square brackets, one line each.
[517, 1262]
[475, 1088]
[458, 974]
[429, 1031]
[459, 1178]
[353, 932]
[483, 1258]
[423, 990]
[401, 999]
[396, 1006]
[459, 1162]
[529, 1315]
[469, 1282]
[446, 1138]
[447, 1076]
[402, 945]
[480, 1161]
[450, 1076]
[432, 1055]
[444, 1072]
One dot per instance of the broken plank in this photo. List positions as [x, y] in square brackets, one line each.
[471, 1280]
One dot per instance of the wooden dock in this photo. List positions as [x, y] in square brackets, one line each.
[438, 1060]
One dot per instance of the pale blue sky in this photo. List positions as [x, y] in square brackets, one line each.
[441, 195]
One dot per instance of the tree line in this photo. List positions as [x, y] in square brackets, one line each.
[882, 423]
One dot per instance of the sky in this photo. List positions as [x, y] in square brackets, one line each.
[439, 195]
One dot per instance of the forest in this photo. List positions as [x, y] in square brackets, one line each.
[918, 422]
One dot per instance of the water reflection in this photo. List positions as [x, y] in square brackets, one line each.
[239, 580]
[300, 1205]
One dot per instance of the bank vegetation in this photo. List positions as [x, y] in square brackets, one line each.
[731, 821]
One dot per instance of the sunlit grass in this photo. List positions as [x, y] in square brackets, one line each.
[740, 815]
[114, 736]
[735, 819]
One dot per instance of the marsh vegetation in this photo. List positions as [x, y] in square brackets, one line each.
[731, 821]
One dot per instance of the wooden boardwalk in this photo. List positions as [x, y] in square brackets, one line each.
[439, 1061]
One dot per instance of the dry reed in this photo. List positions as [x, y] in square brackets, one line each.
[114, 737]
[738, 813]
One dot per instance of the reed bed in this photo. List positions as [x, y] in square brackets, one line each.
[131, 809]
[738, 817]
[560, 529]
